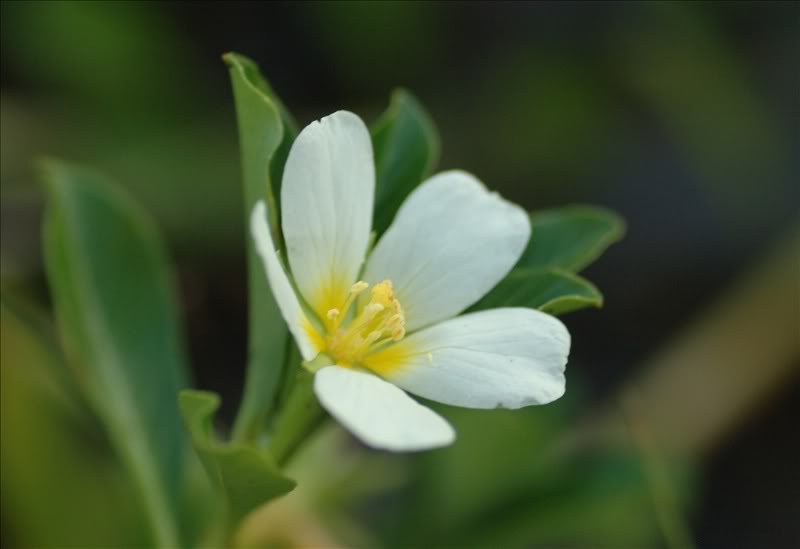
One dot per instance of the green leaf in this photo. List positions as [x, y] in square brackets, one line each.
[406, 147]
[38, 329]
[58, 491]
[245, 476]
[247, 70]
[550, 290]
[112, 286]
[571, 238]
[265, 135]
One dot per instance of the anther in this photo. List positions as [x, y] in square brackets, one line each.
[380, 322]
[358, 287]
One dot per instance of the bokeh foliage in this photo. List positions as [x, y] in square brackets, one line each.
[112, 286]
[659, 109]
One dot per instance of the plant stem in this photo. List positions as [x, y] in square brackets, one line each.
[300, 416]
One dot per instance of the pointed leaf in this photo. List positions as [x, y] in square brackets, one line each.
[251, 103]
[245, 476]
[572, 237]
[112, 285]
[550, 290]
[406, 147]
[265, 135]
[50, 475]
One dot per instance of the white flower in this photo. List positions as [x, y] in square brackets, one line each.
[394, 328]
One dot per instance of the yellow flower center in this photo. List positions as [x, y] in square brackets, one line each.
[378, 323]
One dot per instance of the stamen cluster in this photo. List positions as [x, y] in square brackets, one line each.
[379, 322]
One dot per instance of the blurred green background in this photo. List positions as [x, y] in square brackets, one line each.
[683, 117]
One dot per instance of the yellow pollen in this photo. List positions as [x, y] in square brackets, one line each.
[335, 316]
[379, 322]
[358, 287]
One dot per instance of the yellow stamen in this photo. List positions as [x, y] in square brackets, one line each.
[381, 321]
[336, 316]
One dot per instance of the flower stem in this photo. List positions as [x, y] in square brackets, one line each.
[300, 416]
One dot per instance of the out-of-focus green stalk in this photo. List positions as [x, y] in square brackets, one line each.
[665, 501]
[300, 416]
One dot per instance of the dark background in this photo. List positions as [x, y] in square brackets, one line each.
[683, 117]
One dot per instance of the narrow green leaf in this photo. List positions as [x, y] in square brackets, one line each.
[245, 476]
[38, 326]
[58, 491]
[550, 290]
[406, 147]
[265, 135]
[572, 237]
[112, 285]
[252, 76]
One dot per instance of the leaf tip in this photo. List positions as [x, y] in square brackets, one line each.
[231, 58]
[46, 168]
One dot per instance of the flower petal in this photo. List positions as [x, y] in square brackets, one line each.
[327, 198]
[500, 358]
[450, 243]
[378, 413]
[279, 283]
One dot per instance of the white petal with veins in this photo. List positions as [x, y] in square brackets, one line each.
[378, 413]
[326, 206]
[450, 243]
[500, 358]
[287, 301]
